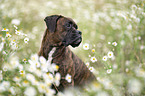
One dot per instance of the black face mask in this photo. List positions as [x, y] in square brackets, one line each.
[73, 38]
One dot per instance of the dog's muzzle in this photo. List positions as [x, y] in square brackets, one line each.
[73, 38]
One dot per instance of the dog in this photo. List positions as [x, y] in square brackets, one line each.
[60, 33]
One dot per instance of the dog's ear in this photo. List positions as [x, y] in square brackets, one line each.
[51, 22]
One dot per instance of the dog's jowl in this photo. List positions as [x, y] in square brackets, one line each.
[60, 33]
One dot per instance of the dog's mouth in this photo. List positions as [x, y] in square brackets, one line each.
[74, 43]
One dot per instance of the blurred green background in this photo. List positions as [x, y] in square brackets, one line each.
[97, 19]
[101, 21]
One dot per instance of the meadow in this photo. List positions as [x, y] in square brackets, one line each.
[113, 46]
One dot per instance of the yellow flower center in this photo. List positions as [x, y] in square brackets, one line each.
[3, 40]
[17, 77]
[126, 17]
[24, 59]
[22, 75]
[5, 29]
[96, 84]
[17, 84]
[86, 46]
[36, 64]
[13, 40]
[93, 50]
[93, 58]
[57, 67]
[48, 84]
[25, 81]
[22, 71]
[42, 86]
[47, 91]
[109, 54]
[7, 33]
[69, 77]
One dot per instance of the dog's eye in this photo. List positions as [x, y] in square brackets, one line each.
[68, 25]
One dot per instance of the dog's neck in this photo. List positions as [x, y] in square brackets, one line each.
[45, 51]
[46, 47]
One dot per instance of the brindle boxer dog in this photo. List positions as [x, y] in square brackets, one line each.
[61, 32]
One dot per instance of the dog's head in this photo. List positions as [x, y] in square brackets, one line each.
[62, 30]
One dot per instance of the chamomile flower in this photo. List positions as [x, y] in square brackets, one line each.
[86, 46]
[54, 67]
[14, 47]
[114, 43]
[68, 78]
[30, 91]
[22, 72]
[109, 42]
[91, 69]
[37, 64]
[32, 68]
[26, 40]
[109, 71]
[87, 64]
[15, 21]
[4, 29]
[93, 50]
[17, 32]
[17, 79]
[42, 60]
[25, 83]
[34, 57]
[25, 60]
[14, 61]
[104, 58]
[44, 67]
[42, 87]
[50, 76]
[57, 79]
[38, 72]
[50, 92]
[110, 54]
[93, 59]
[30, 78]
[5, 68]
[3, 40]
[13, 42]
[8, 34]
[5, 84]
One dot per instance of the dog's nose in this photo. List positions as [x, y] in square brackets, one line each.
[80, 32]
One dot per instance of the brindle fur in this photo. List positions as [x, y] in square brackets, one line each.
[68, 62]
